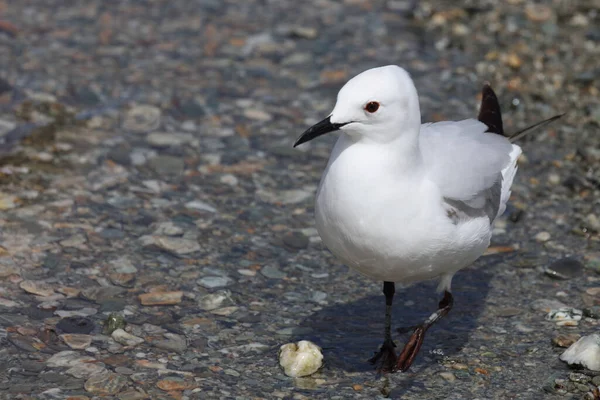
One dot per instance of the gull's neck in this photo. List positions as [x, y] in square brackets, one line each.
[401, 153]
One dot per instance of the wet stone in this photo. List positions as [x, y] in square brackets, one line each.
[101, 293]
[77, 341]
[565, 268]
[566, 340]
[212, 282]
[272, 272]
[167, 165]
[142, 118]
[125, 338]
[37, 288]
[105, 383]
[78, 325]
[215, 300]
[295, 241]
[175, 245]
[112, 305]
[33, 366]
[592, 312]
[161, 298]
[175, 343]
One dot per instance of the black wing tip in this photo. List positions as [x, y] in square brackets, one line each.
[489, 111]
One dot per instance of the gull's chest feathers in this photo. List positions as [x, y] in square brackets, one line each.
[387, 224]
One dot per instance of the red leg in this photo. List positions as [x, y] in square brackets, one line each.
[412, 347]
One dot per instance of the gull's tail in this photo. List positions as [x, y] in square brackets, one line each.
[489, 114]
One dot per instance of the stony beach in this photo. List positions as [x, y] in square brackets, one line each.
[157, 236]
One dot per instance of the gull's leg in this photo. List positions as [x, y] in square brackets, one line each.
[385, 359]
[411, 348]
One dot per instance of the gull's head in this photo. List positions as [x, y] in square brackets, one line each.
[377, 105]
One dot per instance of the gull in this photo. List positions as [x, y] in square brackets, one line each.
[402, 201]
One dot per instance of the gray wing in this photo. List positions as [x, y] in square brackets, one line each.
[467, 164]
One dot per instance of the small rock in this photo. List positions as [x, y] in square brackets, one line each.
[8, 201]
[67, 358]
[284, 196]
[564, 314]
[112, 323]
[585, 352]
[200, 206]
[542, 237]
[125, 280]
[304, 32]
[225, 311]
[565, 340]
[215, 300]
[168, 139]
[592, 312]
[579, 378]
[565, 268]
[77, 341]
[85, 370]
[142, 119]
[101, 293]
[38, 288]
[257, 114]
[105, 383]
[547, 305]
[295, 241]
[212, 282]
[448, 376]
[132, 395]
[174, 343]
[272, 272]
[300, 359]
[177, 246]
[167, 165]
[161, 298]
[538, 12]
[76, 325]
[168, 229]
[170, 384]
[127, 339]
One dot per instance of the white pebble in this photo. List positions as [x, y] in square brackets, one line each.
[300, 359]
[585, 352]
[542, 237]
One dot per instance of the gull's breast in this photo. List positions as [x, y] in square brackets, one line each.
[392, 228]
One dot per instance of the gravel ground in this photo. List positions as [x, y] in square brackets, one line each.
[147, 183]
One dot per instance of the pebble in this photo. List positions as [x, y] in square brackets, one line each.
[177, 246]
[565, 268]
[448, 376]
[37, 288]
[272, 272]
[542, 237]
[295, 241]
[142, 119]
[584, 352]
[8, 201]
[200, 206]
[85, 370]
[171, 384]
[300, 359]
[127, 339]
[77, 341]
[168, 229]
[212, 282]
[100, 293]
[284, 196]
[215, 300]
[592, 312]
[67, 358]
[161, 298]
[168, 139]
[566, 340]
[105, 383]
[565, 316]
[176, 343]
[81, 325]
[546, 305]
[167, 165]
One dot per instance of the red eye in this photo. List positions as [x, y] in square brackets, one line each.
[372, 106]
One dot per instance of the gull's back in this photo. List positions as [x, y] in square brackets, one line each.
[473, 169]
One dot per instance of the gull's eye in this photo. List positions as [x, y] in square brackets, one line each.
[372, 106]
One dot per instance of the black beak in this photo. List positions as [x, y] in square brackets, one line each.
[320, 128]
